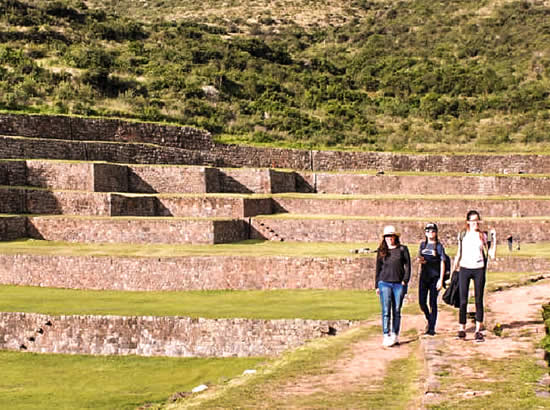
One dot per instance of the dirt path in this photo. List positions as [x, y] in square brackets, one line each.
[362, 368]
[517, 310]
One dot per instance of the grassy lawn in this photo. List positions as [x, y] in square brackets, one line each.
[314, 360]
[251, 247]
[40, 381]
[244, 248]
[498, 279]
[274, 304]
[512, 383]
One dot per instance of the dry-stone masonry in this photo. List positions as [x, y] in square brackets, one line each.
[136, 230]
[95, 129]
[210, 272]
[333, 183]
[158, 336]
[413, 207]
[334, 229]
[76, 138]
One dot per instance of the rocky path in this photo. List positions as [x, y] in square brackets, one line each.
[516, 310]
[514, 314]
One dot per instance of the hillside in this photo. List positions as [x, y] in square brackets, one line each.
[374, 75]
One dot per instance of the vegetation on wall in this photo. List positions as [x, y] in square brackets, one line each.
[398, 75]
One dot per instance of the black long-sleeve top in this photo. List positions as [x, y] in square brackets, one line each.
[395, 267]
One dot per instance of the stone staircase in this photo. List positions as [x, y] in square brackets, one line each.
[105, 181]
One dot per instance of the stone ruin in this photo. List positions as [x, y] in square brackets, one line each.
[109, 181]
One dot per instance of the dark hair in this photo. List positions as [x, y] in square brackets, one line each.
[426, 238]
[383, 249]
[472, 212]
[433, 226]
[468, 215]
[467, 227]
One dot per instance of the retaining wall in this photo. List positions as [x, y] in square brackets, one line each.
[41, 201]
[403, 208]
[211, 272]
[428, 184]
[96, 129]
[369, 230]
[121, 230]
[13, 173]
[12, 228]
[158, 336]
[100, 177]
[198, 207]
[198, 149]
[151, 179]
[134, 153]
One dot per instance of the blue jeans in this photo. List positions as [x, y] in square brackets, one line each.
[428, 287]
[391, 301]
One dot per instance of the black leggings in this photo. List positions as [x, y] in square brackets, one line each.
[464, 276]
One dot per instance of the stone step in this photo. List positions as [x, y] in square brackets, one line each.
[61, 127]
[44, 201]
[13, 147]
[428, 184]
[211, 272]
[136, 230]
[103, 177]
[21, 200]
[403, 206]
[196, 147]
[218, 230]
[306, 228]
[172, 336]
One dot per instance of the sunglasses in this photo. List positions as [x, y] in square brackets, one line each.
[431, 230]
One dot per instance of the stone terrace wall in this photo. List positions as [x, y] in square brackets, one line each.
[402, 208]
[60, 175]
[41, 201]
[239, 156]
[158, 336]
[169, 231]
[250, 180]
[187, 273]
[67, 202]
[212, 272]
[429, 184]
[13, 173]
[197, 206]
[151, 179]
[12, 228]
[368, 230]
[25, 148]
[205, 152]
[12, 201]
[103, 177]
[91, 129]
[504, 163]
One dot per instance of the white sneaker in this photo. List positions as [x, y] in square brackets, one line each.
[395, 339]
[387, 341]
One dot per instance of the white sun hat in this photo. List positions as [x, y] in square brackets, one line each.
[390, 230]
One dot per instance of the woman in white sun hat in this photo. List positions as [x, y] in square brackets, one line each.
[393, 271]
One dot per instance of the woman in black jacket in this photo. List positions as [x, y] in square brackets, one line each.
[393, 271]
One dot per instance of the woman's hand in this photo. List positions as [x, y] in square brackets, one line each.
[439, 284]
